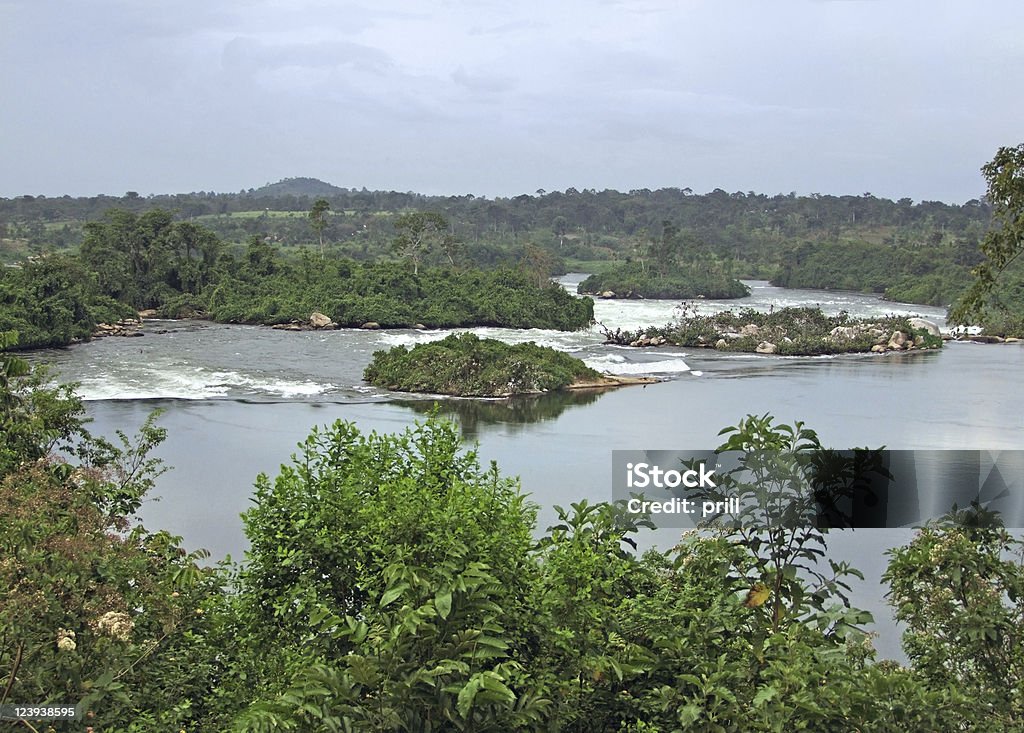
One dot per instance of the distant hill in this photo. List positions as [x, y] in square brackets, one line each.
[298, 187]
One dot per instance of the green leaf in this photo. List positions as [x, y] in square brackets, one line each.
[443, 603]
[393, 594]
[764, 695]
[467, 695]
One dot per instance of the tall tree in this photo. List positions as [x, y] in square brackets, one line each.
[1005, 240]
[420, 231]
[318, 220]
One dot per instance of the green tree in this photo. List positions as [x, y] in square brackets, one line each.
[419, 232]
[1004, 242]
[397, 567]
[318, 220]
[959, 589]
[96, 611]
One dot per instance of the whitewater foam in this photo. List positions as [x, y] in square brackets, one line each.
[195, 384]
[666, 366]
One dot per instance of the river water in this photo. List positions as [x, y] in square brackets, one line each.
[237, 400]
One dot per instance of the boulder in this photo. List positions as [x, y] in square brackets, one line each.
[766, 347]
[983, 339]
[419, 327]
[877, 349]
[287, 327]
[922, 324]
[721, 344]
[750, 329]
[843, 333]
[897, 340]
[607, 294]
[370, 325]
[1012, 340]
[319, 320]
[148, 313]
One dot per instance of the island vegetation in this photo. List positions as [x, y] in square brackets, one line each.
[464, 365]
[394, 584]
[787, 331]
[149, 262]
[633, 281]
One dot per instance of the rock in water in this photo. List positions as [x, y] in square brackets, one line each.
[897, 340]
[920, 323]
[319, 320]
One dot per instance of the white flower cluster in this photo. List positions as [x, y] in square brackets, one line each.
[66, 640]
[116, 624]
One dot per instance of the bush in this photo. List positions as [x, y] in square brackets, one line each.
[468, 366]
[632, 281]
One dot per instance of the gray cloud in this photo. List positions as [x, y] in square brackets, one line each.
[902, 99]
[250, 54]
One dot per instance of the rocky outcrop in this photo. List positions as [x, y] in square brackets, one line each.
[318, 320]
[649, 341]
[802, 333]
[611, 380]
[897, 341]
[921, 324]
[844, 333]
[124, 327]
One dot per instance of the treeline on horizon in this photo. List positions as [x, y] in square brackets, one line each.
[761, 235]
[909, 252]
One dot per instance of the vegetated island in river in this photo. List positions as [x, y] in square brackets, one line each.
[636, 281]
[464, 365]
[788, 331]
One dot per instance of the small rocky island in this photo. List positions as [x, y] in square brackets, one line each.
[788, 331]
[464, 365]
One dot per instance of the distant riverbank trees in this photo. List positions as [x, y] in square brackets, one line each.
[131, 262]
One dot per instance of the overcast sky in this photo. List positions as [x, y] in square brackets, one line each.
[450, 97]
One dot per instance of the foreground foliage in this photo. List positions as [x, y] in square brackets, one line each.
[95, 610]
[465, 365]
[395, 584]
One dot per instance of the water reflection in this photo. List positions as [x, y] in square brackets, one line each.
[513, 414]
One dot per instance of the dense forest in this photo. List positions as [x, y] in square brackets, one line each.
[756, 233]
[644, 243]
[130, 262]
[395, 584]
